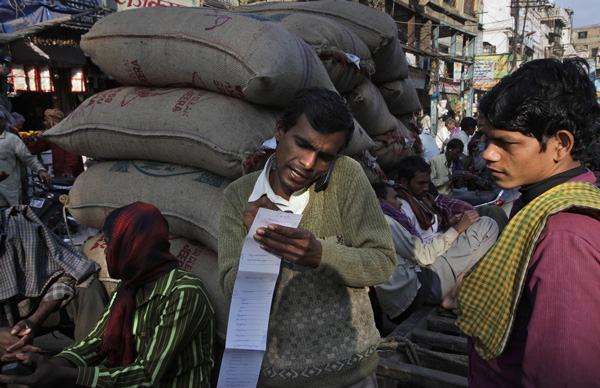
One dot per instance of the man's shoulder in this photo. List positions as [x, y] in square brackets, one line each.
[584, 225]
[243, 183]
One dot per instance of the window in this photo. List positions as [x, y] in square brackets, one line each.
[582, 35]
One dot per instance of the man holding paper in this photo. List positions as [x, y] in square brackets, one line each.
[321, 328]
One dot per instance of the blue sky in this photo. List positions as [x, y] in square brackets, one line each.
[585, 12]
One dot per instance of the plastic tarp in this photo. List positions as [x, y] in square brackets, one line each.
[16, 15]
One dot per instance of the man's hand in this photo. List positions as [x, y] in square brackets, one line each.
[47, 373]
[9, 341]
[467, 175]
[456, 175]
[298, 246]
[462, 222]
[250, 212]
[24, 329]
[45, 177]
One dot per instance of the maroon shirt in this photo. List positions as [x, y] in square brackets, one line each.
[555, 341]
[63, 161]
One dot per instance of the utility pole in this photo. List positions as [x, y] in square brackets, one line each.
[515, 47]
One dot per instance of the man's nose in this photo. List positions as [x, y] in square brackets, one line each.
[308, 160]
[491, 153]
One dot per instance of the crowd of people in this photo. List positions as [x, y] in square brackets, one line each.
[525, 285]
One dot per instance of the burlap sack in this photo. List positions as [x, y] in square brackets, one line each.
[370, 109]
[400, 96]
[240, 55]
[190, 127]
[326, 34]
[189, 198]
[370, 166]
[346, 58]
[376, 29]
[192, 256]
[390, 148]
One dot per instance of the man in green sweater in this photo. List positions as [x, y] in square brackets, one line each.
[321, 327]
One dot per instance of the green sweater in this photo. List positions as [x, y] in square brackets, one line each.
[321, 330]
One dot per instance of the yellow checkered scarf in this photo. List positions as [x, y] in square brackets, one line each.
[491, 290]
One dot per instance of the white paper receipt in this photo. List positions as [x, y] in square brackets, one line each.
[251, 304]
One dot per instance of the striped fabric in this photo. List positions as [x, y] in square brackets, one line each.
[491, 290]
[174, 332]
[32, 258]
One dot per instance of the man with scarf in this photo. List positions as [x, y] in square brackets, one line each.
[462, 249]
[64, 163]
[421, 261]
[158, 329]
[531, 305]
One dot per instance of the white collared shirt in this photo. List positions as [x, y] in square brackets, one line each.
[297, 202]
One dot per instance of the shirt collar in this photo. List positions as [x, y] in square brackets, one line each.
[297, 202]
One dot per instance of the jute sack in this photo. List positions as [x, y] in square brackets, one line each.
[346, 58]
[184, 126]
[188, 197]
[191, 255]
[400, 96]
[376, 29]
[370, 110]
[240, 55]
[390, 148]
[370, 166]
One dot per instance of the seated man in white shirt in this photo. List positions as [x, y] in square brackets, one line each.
[447, 253]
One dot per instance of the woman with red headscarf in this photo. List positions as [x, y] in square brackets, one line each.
[64, 163]
[158, 329]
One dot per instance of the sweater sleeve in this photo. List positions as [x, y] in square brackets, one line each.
[367, 256]
[232, 233]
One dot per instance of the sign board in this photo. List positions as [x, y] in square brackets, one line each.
[123, 5]
[457, 71]
[489, 69]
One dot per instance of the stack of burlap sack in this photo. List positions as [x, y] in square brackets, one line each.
[205, 89]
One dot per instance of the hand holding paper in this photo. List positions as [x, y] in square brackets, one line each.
[298, 246]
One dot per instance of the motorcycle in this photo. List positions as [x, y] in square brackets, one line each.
[46, 204]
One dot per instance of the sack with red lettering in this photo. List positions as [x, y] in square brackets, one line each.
[188, 197]
[185, 126]
[240, 55]
[191, 255]
[375, 28]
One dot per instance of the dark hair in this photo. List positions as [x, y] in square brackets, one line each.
[411, 165]
[455, 143]
[468, 123]
[381, 189]
[542, 97]
[325, 110]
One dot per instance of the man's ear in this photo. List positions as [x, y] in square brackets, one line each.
[404, 182]
[279, 130]
[564, 144]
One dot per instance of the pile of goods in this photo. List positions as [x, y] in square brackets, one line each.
[203, 90]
